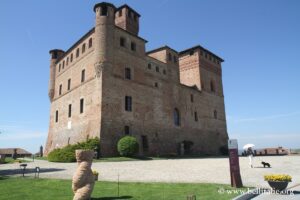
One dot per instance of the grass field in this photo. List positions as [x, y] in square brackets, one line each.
[50, 189]
[19, 160]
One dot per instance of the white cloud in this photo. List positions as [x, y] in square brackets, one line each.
[21, 136]
[239, 120]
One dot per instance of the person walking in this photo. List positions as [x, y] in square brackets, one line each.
[250, 156]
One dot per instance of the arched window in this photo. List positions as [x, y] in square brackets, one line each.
[83, 48]
[90, 42]
[71, 58]
[215, 114]
[212, 86]
[176, 117]
[77, 52]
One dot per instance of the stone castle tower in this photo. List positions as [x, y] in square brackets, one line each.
[106, 85]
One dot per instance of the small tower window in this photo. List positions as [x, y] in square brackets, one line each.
[127, 73]
[135, 17]
[83, 48]
[176, 117]
[60, 89]
[128, 103]
[164, 72]
[120, 13]
[82, 75]
[212, 86]
[104, 10]
[133, 46]
[196, 116]
[90, 42]
[126, 130]
[56, 116]
[175, 59]
[77, 53]
[170, 57]
[192, 98]
[70, 111]
[215, 114]
[71, 58]
[67, 61]
[81, 105]
[191, 53]
[59, 67]
[122, 42]
[156, 84]
[69, 84]
[157, 69]
[149, 65]
[63, 65]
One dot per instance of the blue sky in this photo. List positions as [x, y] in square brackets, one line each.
[259, 41]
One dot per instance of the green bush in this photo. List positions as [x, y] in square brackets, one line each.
[128, 146]
[67, 153]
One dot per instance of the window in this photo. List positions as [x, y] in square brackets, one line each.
[127, 73]
[170, 57]
[104, 10]
[90, 42]
[60, 89]
[156, 84]
[71, 58]
[201, 53]
[59, 67]
[175, 59]
[82, 75]
[133, 46]
[135, 17]
[149, 66]
[212, 86]
[69, 84]
[83, 48]
[196, 116]
[191, 53]
[215, 114]
[157, 69]
[70, 111]
[120, 13]
[164, 72]
[77, 53]
[81, 105]
[67, 61]
[130, 14]
[56, 116]
[192, 98]
[176, 117]
[122, 42]
[126, 130]
[63, 65]
[145, 144]
[128, 103]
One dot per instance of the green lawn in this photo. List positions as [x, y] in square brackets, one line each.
[50, 189]
[10, 160]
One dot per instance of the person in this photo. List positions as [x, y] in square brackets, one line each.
[250, 156]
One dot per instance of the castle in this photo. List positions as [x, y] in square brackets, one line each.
[106, 85]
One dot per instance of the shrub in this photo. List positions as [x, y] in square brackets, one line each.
[278, 177]
[67, 153]
[128, 146]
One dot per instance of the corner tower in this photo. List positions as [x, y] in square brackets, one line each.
[104, 35]
[127, 19]
[55, 55]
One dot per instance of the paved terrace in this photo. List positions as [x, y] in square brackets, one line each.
[200, 170]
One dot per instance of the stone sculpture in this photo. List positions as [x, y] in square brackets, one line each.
[83, 179]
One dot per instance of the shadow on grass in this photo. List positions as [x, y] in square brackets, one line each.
[3, 177]
[9, 172]
[112, 198]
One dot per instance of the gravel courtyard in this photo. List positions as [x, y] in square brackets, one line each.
[202, 170]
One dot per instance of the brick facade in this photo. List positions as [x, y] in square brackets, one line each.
[161, 81]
